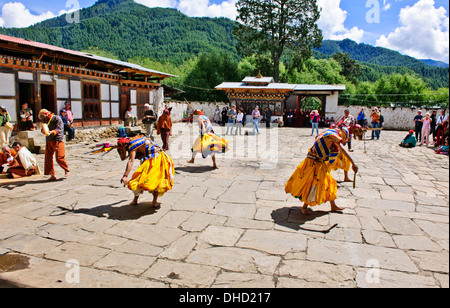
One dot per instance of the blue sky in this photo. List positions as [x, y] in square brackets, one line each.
[419, 28]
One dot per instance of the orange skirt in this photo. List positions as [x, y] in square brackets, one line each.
[341, 162]
[312, 183]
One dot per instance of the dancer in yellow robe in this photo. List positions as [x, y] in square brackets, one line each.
[207, 143]
[312, 182]
[156, 173]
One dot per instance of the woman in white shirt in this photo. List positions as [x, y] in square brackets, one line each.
[239, 122]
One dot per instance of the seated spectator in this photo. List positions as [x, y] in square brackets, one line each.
[6, 157]
[68, 126]
[443, 149]
[410, 140]
[25, 163]
[26, 117]
[130, 119]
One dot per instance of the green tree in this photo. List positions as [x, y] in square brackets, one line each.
[350, 68]
[272, 26]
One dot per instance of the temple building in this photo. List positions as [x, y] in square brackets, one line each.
[99, 89]
[265, 93]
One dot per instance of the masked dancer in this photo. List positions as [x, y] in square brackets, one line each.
[207, 143]
[312, 182]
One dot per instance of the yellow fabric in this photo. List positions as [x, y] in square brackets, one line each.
[341, 162]
[210, 144]
[312, 183]
[154, 175]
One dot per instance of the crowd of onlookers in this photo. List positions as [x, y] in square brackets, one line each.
[432, 129]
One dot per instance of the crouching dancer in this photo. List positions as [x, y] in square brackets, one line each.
[312, 182]
[156, 173]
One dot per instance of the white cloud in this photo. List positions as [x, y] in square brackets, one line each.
[423, 32]
[158, 3]
[196, 8]
[15, 14]
[332, 21]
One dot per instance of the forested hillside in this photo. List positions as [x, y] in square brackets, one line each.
[378, 61]
[127, 30]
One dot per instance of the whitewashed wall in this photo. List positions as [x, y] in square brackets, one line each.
[394, 118]
[180, 108]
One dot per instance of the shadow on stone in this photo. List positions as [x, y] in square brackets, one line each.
[292, 218]
[110, 211]
[195, 169]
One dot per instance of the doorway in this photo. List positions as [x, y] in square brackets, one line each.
[48, 99]
[27, 96]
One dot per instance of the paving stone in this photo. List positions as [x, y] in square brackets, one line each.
[431, 261]
[358, 255]
[273, 242]
[125, 263]
[339, 276]
[407, 242]
[84, 254]
[181, 273]
[227, 258]
[391, 279]
[400, 225]
[221, 236]
[243, 281]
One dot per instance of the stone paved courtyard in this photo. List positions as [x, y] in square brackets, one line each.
[235, 226]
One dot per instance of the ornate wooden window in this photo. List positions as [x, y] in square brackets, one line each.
[91, 101]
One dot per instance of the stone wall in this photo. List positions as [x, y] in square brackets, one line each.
[398, 118]
[180, 109]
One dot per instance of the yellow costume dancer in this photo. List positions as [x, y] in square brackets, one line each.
[156, 173]
[312, 182]
[207, 143]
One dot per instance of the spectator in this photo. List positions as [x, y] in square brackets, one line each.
[68, 126]
[418, 125]
[5, 126]
[164, 128]
[231, 114]
[224, 116]
[315, 118]
[409, 141]
[216, 118]
[375, 115]
[148, 120]
[169, 109]
[268, 117]
[256, 115]
[54, 144]
[130, 119]
[381, 122]
[443, 149]
[349, 121]
[6, 158]
[68, 109]
[361, 117]
[239, 122]
[26, 163]
[301, 118]
[426, 129]
[26, 117]
[290, 118]
[433, 124]
[442, 123]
